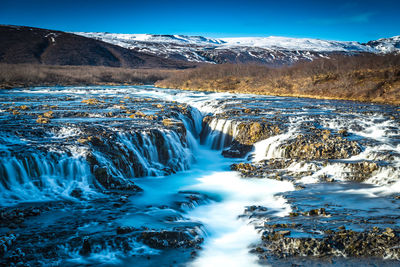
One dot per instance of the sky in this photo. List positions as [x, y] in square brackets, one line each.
[330, 20]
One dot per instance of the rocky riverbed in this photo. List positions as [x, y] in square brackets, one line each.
[333, 157]
[138, 175]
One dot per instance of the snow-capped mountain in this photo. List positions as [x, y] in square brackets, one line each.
[128, 39]
[295, 44]
[272, 50]
[386, 45]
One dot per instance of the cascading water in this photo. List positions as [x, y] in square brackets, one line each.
[87, 145]
[35, 177]
[99, 146]
[31, 174]
[219, 133]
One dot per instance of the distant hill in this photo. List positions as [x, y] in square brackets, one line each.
[19, 44]
[272, 50]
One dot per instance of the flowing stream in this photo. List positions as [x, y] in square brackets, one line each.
[182, 182]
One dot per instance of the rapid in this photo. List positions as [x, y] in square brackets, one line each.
[138, 175]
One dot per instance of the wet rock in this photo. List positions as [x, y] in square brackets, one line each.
[48, 114]
[76, 193]
[247, 132]
[92, 101]
[282, 225]
[329, 179]
[254, 208]
[320, 145]
[94, 140]
[282, 233]
[237, 150]
[316, 212]
[389, 232]
[361, 171]
[278, 163]
[345, 243]
[42, 120]
[86, 248]
[13, 217]
[6, 242]
[243, 167]
[109, 181]
[250, 132]
[126, 229]
[140, 114]
[343, 132]
[171, 122]
[299, 187]
[176, 124]
[169, 239]
[23, 107]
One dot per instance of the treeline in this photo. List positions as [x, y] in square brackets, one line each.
[364, 77]
[23, 75]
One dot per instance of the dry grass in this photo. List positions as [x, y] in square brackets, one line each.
[366, 77]
[23, 75]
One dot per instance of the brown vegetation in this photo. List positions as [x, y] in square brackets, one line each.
[23, 75]
[365, 77]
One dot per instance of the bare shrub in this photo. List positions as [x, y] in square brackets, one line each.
[366, 77]
[13, 75]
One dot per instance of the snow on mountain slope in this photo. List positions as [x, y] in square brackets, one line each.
[129, 39]
[386, 45]
[301, 44]
[272, 50]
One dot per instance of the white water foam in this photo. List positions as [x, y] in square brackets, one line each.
[227, 236]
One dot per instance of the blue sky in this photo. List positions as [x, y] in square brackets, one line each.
[333, 20]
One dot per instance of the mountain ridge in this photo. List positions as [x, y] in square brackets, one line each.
[271, 50]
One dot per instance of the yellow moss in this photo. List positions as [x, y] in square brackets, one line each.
[140, 114]
[82, 140]
[42, 120]
[48, 114]
[23, 107]
[92, 101]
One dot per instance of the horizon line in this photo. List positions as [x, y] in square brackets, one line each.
[202, 34]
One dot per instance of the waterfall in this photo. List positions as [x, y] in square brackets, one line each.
[30, 171]
[36, 176]
[219, 133]
[270, 148]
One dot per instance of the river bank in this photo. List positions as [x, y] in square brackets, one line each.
[366, 78]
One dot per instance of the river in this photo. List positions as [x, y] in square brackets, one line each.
[138, 175]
